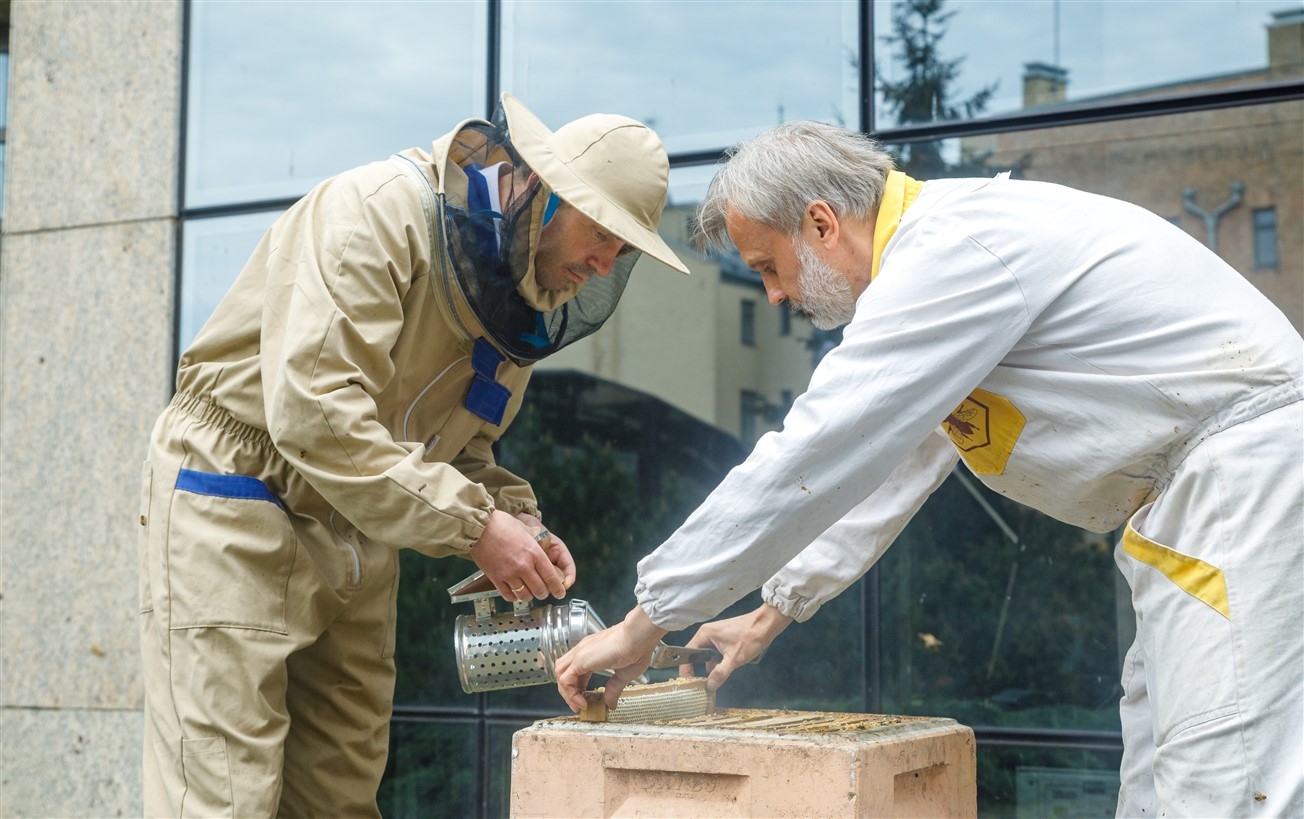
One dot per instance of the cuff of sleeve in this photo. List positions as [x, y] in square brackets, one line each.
[470, 531]
[518, 507]
[798, 608]
[643, 596]
[514, 498]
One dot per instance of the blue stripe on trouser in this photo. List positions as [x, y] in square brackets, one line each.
[225, 486]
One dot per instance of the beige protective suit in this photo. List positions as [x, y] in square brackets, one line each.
[342, 394]
[318, 427]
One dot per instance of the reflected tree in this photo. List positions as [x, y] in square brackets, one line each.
[1000, 626]
[1007, 624]
[925, 92]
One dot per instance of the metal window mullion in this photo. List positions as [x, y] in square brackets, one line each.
[239, 208]
[183, 135]
[871, 637]
[493, 76]
[1082, 740]
[866, 64]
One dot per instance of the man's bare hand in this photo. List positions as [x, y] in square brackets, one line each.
[510, 555]
[553, 546]
[739, 640]
[625, 648]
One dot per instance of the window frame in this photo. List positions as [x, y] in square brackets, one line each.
[1264, 235]
[747, 322]
[477, 708]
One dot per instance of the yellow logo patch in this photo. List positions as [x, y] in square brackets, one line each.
[984, 428]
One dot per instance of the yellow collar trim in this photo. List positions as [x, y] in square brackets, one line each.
[899, 193]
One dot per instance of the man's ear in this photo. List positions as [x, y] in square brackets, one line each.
[822, 224]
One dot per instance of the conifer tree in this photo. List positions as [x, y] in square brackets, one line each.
[925, 92]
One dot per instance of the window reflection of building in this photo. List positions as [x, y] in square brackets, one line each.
[685, 340]
[1226, 176]
[647, 433]
[1265, 238]
[280, 94]
[747, 318]
[748, 401]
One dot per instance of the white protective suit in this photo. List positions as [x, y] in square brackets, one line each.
[1090, 360]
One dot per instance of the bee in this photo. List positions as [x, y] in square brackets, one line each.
[960, 422]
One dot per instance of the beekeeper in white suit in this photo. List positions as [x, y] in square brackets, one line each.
[340, 405]
[1082, 356]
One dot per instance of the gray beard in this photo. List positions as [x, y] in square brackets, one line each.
[826, 296]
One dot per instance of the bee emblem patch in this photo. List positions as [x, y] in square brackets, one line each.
[984, 428]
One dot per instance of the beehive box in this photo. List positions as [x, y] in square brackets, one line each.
[746, 763]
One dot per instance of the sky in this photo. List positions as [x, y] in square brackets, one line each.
[283, 94]
[1106, 45]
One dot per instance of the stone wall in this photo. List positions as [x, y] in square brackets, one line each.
[87, 266]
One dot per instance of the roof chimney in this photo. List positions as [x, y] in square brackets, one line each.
[1044, 84]
[1286, 44]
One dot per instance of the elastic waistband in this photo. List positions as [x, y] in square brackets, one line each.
[202, 408]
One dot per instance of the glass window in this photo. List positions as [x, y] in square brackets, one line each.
[1265, 238]
[213, 253]
[1214, 168]
[624, 434]
[705, 75]
[283, 94]
[427, 661]
[1024, 781]
[687, 188]
[431, 768]
[749, 406]
[500, 767]
[997, 615]
[969, 60]
[999, 651]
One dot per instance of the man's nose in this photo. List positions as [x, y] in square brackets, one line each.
[775, 293]
[603, 259]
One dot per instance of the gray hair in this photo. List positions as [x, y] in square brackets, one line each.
[771, 179]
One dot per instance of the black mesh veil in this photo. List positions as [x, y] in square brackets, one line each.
[495, 211]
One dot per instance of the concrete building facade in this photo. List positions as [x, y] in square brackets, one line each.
[86, 305]
[90, 247]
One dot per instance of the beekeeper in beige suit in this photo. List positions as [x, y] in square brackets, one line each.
[340, 405]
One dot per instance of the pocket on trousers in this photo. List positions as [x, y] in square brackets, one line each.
[230, 552]
[142, 538]
[208, 778]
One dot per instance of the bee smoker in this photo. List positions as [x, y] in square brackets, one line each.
[518, 648]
